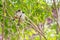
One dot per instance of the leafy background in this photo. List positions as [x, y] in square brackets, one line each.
[39, 11]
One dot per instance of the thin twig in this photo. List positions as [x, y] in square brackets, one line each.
[57, 29]
[35, 27]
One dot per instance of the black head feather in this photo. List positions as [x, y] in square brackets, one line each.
[18, 11]
[22, 12]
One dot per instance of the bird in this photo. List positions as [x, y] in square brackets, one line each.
[20, 16]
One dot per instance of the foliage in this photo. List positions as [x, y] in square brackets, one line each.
[36, 10]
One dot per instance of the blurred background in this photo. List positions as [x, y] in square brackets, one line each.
[43, 22]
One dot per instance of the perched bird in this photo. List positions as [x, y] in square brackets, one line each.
[20, 16]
